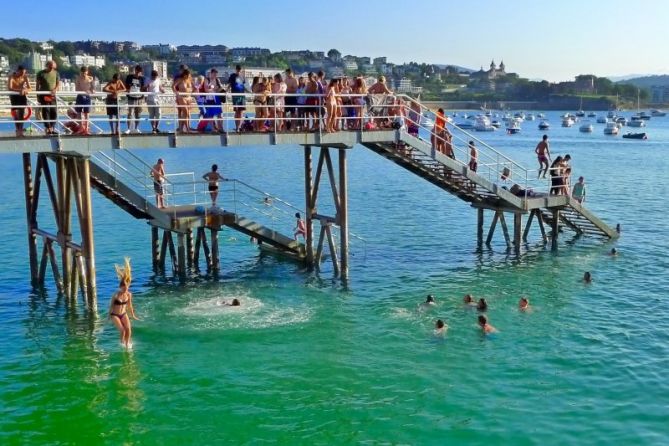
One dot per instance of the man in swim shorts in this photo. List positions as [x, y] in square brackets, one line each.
[213, 178]
[543, 155]
[236, 82]
[158, 174]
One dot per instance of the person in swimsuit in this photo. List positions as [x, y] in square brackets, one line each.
[587, 277]
[19, 84]
[158, 174]
[440, 327]
[331, 106]
[482, 305]
[578, 192]
[213, 178]
[468, 300]
[120, 307]
[524, 304]
[113, 87]
[84, 84]
[429, 303]
[544, 155]
[312, 109]
[438, 134]
[473, 157]
[183, 87]
[485, 326]
[556, 176]
[300, 226]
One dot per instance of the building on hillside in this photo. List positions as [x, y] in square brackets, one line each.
[491, 73]
[159, 65]
[335, 72]
[36, 61]
[164, 49]
[368, 68]
[248, 73]
[46, 46]
[122, 68]
[350, 65]
[406, 86]
[364, 60]
[584, 83]
[250, 52]
[380, 60]
[659, 94]
[85, 60]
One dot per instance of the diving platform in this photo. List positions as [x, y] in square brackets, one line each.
[186, 230]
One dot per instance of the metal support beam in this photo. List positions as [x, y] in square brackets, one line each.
[30, 220]
[333, 250]
[517, 229]
[526, 232]
[505, 230]
[343, 212]
[189, 248]
[555, 229]
[540, 220]
[155, 248]
[86, 225]
[493, 225]
[215, 260]
[181, 255]
[479, 227]
[309, 206]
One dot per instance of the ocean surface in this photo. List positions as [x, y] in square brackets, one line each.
[306, 359]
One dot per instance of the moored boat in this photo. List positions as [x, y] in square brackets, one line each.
[512, 127]
[611, 128]
[586, 127]
[544, 125]
[657, 113]
[637, 123]
[631, 135]
[601, 120]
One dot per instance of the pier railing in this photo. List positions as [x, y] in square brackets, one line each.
[198, 112]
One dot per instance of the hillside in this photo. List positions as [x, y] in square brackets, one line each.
[648, 81]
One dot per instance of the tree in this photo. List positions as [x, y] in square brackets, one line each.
[334, 55]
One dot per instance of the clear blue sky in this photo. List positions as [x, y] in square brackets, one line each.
[552, 40]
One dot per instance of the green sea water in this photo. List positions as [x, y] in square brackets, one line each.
[307, 360]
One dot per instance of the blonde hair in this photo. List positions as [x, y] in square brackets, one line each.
[124, 273]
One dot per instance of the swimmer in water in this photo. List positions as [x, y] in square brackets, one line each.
[429, 302]
[614, 252]
[235, 303]
[482, 305]
[440, 327]
[485, 326]
[468, 300]
[587, 277]
[524, 304]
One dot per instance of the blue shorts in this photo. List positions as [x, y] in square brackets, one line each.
[83, 103]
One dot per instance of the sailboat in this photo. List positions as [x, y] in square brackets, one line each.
[639, 116]
[580, 113]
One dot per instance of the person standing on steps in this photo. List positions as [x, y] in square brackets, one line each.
[158, 174]
[134, 83]
[300, 227]
[213, 178]
[543, 155]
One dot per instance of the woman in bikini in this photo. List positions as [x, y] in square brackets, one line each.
[259, 100]
[331, 106]
[183, 87]
[120, 307]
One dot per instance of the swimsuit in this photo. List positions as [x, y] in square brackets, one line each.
[213, 187]
[122, 315]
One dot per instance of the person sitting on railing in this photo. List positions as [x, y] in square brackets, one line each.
[84, 82]
[19, 84]
[48, 80]
[213, 178]
[134, 84]
[113, 87]
[154, 88]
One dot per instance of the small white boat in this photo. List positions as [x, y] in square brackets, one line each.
[529, 117]
[513, 127]
[637, 123]
[601, 119]
[567, 122]
[580, 114]
[495, 123]
[466, 125]
[541, 116]
[483, 124]
[544, 125]
[611, 128]
[592, 115]
[657, 113]
[611, 114]
[426, 122]
[519, 115]
[621, 120]
[586, 127]
[645, 116]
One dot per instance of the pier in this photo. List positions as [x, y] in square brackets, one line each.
[65, 171]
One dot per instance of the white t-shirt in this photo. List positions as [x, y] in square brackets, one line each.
[154, 90]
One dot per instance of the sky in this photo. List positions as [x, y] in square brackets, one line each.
[538, 39]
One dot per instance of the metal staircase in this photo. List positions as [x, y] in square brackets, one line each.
[112, 176]
[489, 187]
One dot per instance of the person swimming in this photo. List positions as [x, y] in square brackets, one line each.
[440, 327]
[485, 326]
[429, 302]
[524, 304]
[482, 305]
[614, 252]
[468, 300]
[587, 277]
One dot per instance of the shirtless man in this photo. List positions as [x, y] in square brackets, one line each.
[158, 174]
[544, 156]
[380, 87]
[291, 101]
[485, 326]
[473, 156]
[213, 178]
[84, 84]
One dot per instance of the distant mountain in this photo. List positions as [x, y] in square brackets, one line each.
[646, 81]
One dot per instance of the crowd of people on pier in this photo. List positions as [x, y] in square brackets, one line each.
[560, 172]
[279, 103]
